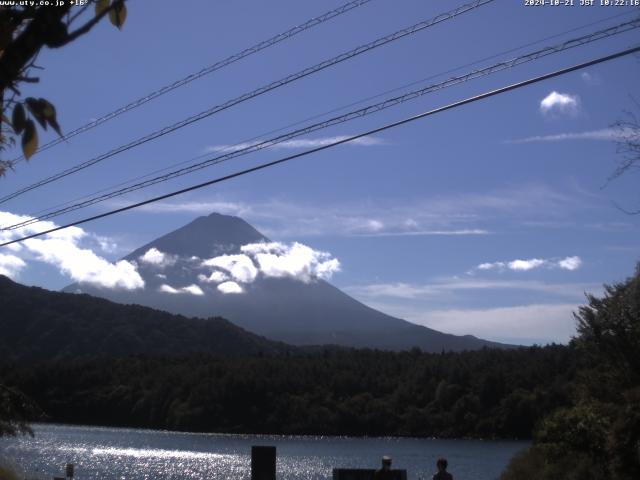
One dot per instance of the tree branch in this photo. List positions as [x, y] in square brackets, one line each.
[42, 30]
[91, 23]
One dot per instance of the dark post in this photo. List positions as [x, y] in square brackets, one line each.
[263, 463]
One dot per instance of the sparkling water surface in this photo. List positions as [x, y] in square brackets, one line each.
[119, 453]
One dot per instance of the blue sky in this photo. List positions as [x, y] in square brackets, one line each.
[410, 214]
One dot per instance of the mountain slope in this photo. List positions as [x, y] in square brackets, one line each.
[283, 308]
[38, 324]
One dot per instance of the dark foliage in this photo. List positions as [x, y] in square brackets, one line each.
[16, 411]
[598, 434]
[487, 393]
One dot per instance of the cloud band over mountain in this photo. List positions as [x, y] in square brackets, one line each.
[229, 272]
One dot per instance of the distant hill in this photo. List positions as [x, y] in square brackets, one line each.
[283, 309]
[38, 324]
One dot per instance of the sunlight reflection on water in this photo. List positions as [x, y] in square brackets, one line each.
[109, 453]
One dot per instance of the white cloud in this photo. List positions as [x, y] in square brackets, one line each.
[560, 102]
[276, 260]
[84, 266]
[491, 266]
[301, 143]
[155, 257]
[525, 265]
[62, 249]
[570, 263]
[296, 261]
[191, 289]
[10, 265]
[164, 288]
[215, 277]
[567, 263]
[230, 287]
[605, 134]
[240, 267]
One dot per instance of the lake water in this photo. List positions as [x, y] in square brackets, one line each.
[117, 453]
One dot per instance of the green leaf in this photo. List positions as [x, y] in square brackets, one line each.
[118, 14]
[29, 139]
[36, 107]
[101, 5]
[49, 112]
[19, 118]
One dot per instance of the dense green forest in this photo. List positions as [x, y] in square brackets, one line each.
[487, 393]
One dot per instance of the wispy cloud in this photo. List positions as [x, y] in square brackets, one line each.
[604, 134]
[590, 79]
[567, 263]
[195, 207]
[425, 233]
[455, 214]
[301, 143]
[436, 289]
[560, 103]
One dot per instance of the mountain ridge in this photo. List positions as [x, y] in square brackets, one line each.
[39, 324]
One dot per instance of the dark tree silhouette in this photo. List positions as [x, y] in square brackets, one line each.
[628, 146]
[16, 410]
[598, 435]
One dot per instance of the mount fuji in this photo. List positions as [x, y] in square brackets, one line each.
[219, 265]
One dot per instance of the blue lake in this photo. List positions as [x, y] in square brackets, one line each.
[117, 453]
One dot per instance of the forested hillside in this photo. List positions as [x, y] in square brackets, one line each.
[487, 393]
[38, 324]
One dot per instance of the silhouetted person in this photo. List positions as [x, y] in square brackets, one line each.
[384, 472]
[442, 470]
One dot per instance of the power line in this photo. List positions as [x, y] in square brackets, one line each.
[368, 110]
[205, 71]
[388, 126]
[259, 91]
[333, 110]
